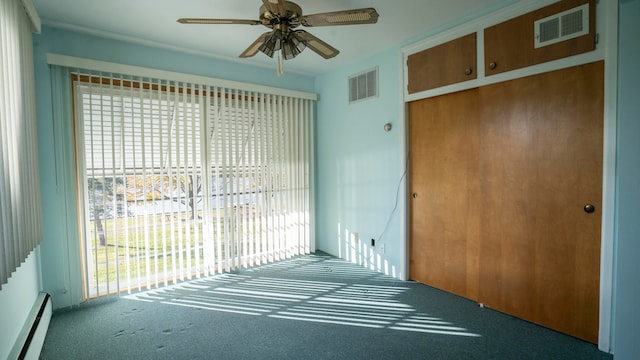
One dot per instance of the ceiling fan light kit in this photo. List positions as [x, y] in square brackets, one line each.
[282, 17]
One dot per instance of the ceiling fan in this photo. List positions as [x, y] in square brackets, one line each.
[283, 17]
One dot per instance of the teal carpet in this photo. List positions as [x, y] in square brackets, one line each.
[309, 307]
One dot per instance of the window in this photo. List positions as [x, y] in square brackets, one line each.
[180, 180]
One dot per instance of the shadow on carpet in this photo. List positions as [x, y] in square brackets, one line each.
[309, 307]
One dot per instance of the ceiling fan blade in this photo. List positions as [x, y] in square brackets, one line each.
[275, 6]
[346, 17]
[255, 47]
[218, 21]
[320, 47]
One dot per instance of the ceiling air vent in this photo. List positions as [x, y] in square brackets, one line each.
[363, 86]
[562, 26]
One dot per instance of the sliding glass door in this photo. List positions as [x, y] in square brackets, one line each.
[180, 180]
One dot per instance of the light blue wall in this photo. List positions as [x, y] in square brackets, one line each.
[16, 300]
[65, 42]
[359, 166]
[626, 343]
[61, 268]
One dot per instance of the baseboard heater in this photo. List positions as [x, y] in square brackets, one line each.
[31, 338]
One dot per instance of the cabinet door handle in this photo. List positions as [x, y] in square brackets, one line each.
[493, 65]
[468, 71]
[414, 195]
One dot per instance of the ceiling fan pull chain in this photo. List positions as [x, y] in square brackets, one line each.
[280, 64]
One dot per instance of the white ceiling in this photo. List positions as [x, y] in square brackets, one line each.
[153, 22]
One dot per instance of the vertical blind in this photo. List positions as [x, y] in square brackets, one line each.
[20, 215]
[181, 180]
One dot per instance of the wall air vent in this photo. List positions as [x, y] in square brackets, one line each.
[562, 26]
[363, 86]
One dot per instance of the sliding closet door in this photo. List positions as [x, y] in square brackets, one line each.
[445, 192]
[507, 208]
[541, 165]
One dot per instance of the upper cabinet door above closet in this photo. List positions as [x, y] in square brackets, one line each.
[445, 64]
[556, 31]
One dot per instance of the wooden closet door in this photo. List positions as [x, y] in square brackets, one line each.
[444, 178]
[541, 163]
[501, 175]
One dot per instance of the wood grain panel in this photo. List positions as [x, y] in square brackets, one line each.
[541, 163]
[510, 44]
[442, 65]
[444, 215]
